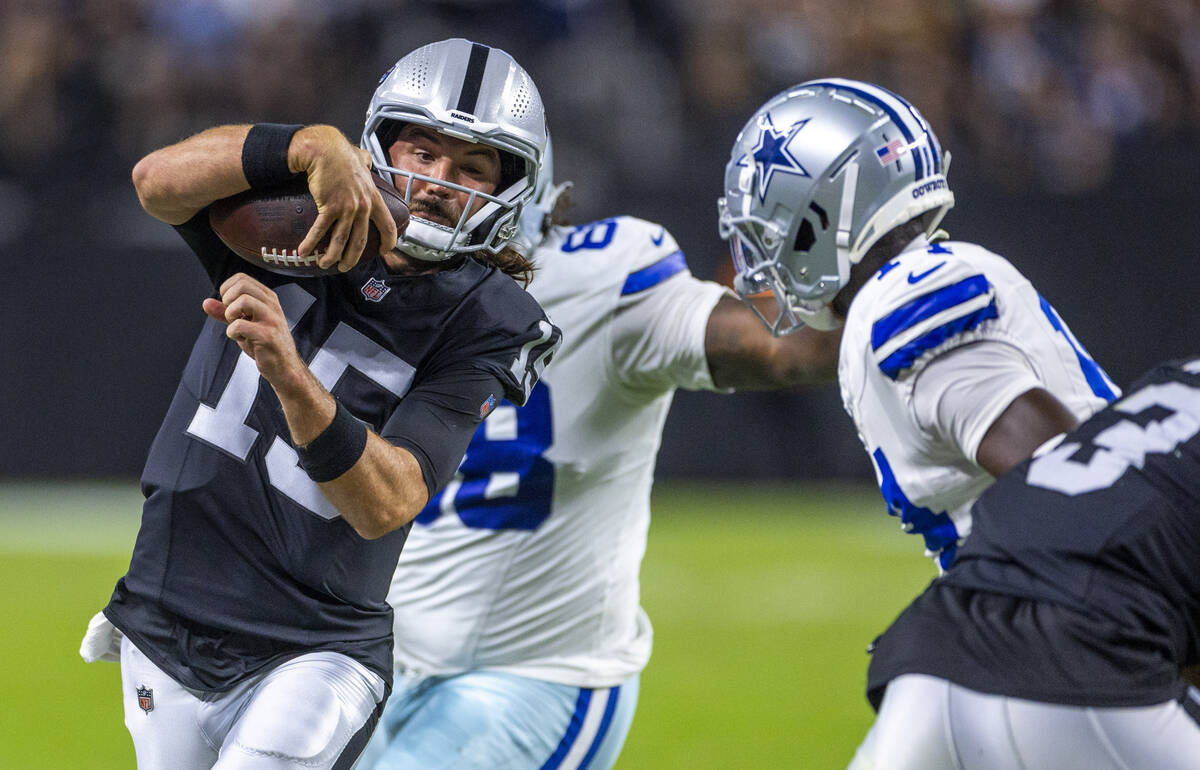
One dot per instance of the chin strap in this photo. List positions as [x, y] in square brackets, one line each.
[819, 317]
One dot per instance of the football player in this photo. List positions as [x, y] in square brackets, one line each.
[519, 633]
[952, 366]
[1057, 638]
[316, 417]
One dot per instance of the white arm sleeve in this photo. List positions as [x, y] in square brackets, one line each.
[658, 334]
[960, 393]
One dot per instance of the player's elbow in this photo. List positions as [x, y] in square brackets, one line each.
[381, 494]
[398, 511]
[156, 189]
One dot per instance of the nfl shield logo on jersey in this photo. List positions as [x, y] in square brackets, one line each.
[145, 697]
[486, 407]
[375, 289]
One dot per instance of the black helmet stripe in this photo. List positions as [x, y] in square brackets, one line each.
[473, 79]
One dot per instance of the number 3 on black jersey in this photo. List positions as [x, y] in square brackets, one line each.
[1124, 444]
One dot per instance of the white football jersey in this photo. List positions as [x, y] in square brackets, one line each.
[528, 561]
[936, 345]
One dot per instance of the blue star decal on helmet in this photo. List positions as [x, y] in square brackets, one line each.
[771, 154]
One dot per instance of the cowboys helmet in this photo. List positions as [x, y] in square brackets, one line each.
[471, 92]
[538, 211]
[819, 174]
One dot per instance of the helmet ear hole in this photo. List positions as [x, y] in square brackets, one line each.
[805, 237]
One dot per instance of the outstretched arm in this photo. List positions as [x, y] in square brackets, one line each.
[742, 354]
[176, 182]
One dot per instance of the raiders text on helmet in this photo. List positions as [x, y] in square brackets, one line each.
[819, 174]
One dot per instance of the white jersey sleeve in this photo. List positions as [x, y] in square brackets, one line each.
[528, 561]
[932, 308]
[960, 393]
[658, 334]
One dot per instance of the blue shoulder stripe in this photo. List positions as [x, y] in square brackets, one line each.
[925, 306]
[654, 274]
[973, 296]
[905, 356]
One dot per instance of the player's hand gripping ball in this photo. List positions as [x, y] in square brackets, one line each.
[265, 227]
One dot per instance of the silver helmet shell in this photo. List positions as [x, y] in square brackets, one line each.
[819, 174]
[475, 93]
[538, 211]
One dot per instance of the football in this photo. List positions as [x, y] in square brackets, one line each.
[265, 227]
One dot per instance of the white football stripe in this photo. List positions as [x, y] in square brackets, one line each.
[587, 733]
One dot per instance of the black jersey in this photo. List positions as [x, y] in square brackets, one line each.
[1080, 583]
[240, 560]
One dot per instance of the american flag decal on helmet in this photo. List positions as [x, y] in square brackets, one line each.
[891, 152]
[145, 697]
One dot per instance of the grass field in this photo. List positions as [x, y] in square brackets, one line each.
[763, 600]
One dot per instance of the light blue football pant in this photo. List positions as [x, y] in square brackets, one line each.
[488, 720]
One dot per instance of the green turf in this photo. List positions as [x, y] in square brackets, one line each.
[763, 601]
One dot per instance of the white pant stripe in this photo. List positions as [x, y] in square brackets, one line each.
[587, 733]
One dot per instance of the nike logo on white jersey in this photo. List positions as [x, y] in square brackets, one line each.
[917, 278]
[657, 239]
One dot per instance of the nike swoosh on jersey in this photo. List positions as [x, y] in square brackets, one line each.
[658, 239]
[918, 277]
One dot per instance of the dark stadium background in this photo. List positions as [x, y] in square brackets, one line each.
[1074, 126]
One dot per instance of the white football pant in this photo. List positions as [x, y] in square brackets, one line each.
[926, 723]
[312, 712]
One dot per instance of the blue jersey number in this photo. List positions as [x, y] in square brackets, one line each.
[941, 536]
[597, 235]
[504, 482]
[1097, 380]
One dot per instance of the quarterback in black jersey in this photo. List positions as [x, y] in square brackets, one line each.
[314, 419]
[1058, 638]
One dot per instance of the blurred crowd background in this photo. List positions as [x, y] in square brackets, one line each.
[1074, 127]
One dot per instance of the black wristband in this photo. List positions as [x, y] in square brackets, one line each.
[337, 449]
[264, 154]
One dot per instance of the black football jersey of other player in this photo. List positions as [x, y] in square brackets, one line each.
[240, 560]
[1080, 583]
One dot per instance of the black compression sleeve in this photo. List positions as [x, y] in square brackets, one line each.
[435, 422]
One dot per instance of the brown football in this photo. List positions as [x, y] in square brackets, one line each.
[265, 227]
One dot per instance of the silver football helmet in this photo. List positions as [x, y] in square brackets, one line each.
[472, 92]
[819, 174]
[535, 216]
